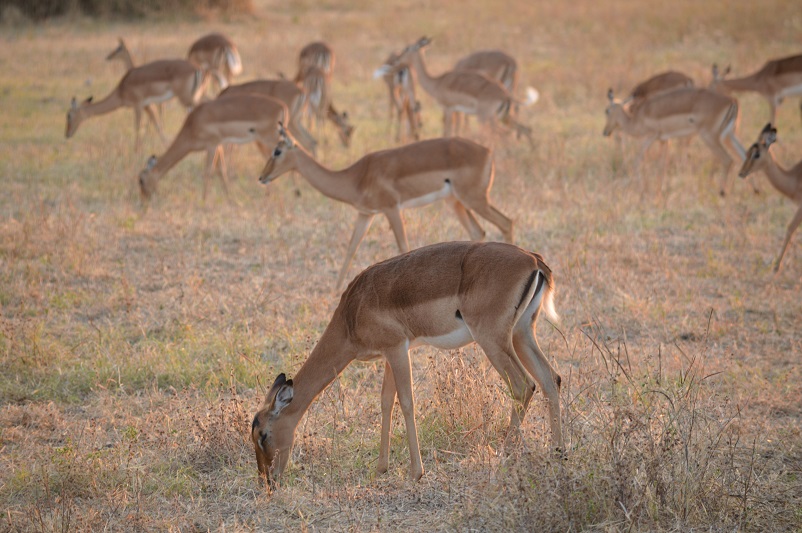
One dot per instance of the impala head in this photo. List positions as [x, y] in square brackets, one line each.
[75, 116]
[281, 159]
[613, 112]
[117, 52]
[718, 75]
[404, 57]
[272, 442]
[148, 178]
[758, 152]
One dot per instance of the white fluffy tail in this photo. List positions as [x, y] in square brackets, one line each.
[548, 305]
[233, 61]
[532, 96]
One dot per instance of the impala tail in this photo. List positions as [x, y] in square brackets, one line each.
[532, 96]
[544, 289]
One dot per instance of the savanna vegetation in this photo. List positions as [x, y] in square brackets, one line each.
[136, 342]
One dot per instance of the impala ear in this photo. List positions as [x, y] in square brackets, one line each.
[610, 95]
[424, 41]
[714, 70]
[280, 394]
[151, 163]
[74, 103]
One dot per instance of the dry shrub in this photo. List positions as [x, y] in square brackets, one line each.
[648, 449]
[127, 9]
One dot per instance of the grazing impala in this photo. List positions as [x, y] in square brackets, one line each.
[777, 79]
[236, 119]
[494, 64]
[684, 112]
[285, 91]
[456, 170]
[317, 103]
[658, 84]
[463, 92]
[404, 104]
[317, 54]
[151, 83]
[123, 54]
[444, 295]
[787, 181]
[217, 55]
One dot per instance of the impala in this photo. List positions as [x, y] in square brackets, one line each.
[317, 103]
[494, 64]
[456, 170]
[217, 55]
[404, 104]
[788, 182]
[777, 79]
[317, 54]
[236, 119]
[681, 113]
[658, 84]
[285, 91]
[463, 92]
[123, 54]
[444, 295]
[151, 83]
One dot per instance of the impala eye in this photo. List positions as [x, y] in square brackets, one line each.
[277, 152]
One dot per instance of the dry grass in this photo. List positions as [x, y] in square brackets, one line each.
[135, 344]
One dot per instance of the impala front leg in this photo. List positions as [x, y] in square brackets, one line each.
[398, 359]
[388, 403]
[788, 234]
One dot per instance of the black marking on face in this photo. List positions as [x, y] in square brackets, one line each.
[458, 315]
[255, 422]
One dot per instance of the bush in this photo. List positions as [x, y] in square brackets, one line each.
[44, 9]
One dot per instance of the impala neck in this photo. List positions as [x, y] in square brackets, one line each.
[328, 359]
[426, 81]
[747, 83]
[782, 180]
[107, 105]
[177, 151]
[337, 185]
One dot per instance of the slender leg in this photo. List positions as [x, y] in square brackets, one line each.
[362, 224]
[487, 211]
[388, 403]
[788, 234]
[155, 121]
[467, 219]
[538, 366]
[397, 224]
[723, 156]
[211, 156]
[402, 371]
[137, 125]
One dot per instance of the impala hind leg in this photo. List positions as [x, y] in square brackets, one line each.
[388, 404]
[538, 366]
[521, 386]
[723, 156]
[467, 220]
[487, 211]
[361, 226]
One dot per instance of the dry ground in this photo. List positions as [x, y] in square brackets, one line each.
[135, 344]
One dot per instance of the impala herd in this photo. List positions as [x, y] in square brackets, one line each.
[445, 295]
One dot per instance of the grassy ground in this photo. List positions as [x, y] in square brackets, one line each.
[136, 344]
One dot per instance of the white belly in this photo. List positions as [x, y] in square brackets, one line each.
[450, 341]
[159, 98]
[428, 198]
